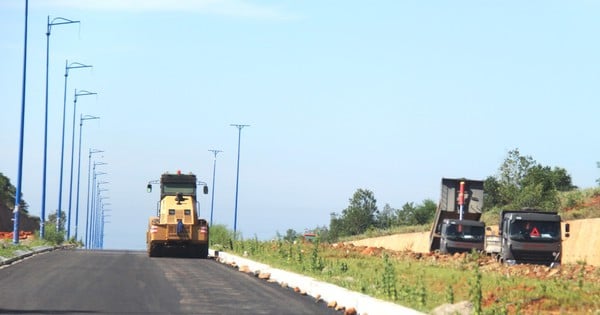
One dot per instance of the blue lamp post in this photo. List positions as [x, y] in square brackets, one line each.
[77, 94]
[212, 199]
[87, 213]
[81, 119]
[98, 224]
[237, 178]
[68, 66]
[55, 21]
[90, 219]
[20, 167]
[103, 222]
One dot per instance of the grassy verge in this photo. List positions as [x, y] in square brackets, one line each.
[8, 249]
[424, 282]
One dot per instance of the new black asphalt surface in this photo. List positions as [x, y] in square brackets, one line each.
[129, 282]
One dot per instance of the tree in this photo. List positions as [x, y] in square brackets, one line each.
[336, 228]
[357, 217]
[51, 233]
[360, 213]
[412, 214]
[492, 196]
[386, 218]
[514, 168]
[522, 182]
[405, 216]
[424, 213]
[512, 171]
[598, 180]
[562, 180]
[290, 235]
[7, 194]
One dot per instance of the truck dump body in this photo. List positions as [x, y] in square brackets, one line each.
[177, 230]
[449, 208]
[530, 237]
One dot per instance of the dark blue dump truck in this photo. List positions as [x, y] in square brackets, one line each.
[529, 236]
[457, 226]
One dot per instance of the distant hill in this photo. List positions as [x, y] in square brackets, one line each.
[27, 223]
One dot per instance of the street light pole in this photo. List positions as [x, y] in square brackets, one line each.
[77, 94]
[22, 129]
[212, 199]
[81, 119]
[104, 216]
[87, 213]
[73, 65]
[92, 204]
[237, 178]
[55, 21]
[97, 231]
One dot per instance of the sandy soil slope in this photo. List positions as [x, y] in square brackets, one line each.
[583, 244]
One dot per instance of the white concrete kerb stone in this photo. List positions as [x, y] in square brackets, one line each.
[327, 292]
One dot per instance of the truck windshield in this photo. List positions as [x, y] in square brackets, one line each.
[542, 231]
[185, 189]
[459, 232]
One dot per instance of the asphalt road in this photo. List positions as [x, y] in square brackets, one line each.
[128, 282]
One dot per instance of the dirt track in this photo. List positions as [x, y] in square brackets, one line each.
[581, 245]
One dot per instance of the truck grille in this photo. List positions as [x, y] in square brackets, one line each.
[533, 257]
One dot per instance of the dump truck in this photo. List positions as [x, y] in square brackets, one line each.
[528, 236]
[457, 226]
[177, 230]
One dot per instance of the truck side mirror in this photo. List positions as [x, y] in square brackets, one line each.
[567, 229]
[149, 188]
[205, 190]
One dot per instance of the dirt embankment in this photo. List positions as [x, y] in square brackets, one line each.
[581, 245]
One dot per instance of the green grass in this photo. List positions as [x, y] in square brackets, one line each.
[426, 283]
[580, 204]
[8, 249]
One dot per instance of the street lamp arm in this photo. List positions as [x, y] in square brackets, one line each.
[84, 92]
[88, 117]
[61, 21]
[77, 65]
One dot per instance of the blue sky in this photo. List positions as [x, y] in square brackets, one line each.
[389, 96]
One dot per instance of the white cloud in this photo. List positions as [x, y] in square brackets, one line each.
[235, 8]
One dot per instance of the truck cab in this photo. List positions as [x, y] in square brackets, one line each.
[530, 236]
[458, 236]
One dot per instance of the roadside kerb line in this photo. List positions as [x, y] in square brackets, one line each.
[318, 289]
[22, 254]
